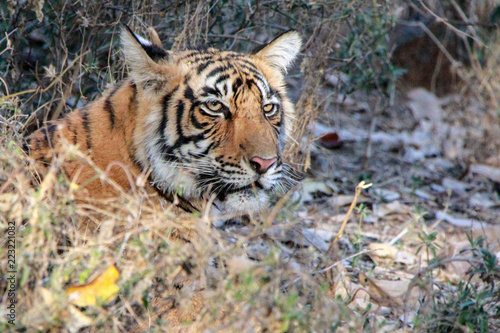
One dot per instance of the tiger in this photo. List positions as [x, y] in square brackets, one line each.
[203, 125]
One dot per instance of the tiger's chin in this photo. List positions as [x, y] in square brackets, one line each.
[238, 203]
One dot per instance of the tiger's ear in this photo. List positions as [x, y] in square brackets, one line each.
[281, 52]
[142, 56]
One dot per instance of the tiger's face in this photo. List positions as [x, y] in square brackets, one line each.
[212, 125]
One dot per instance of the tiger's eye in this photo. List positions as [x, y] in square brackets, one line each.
[268, 108]
[214, 105]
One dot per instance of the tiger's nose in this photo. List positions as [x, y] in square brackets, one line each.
[261, 165]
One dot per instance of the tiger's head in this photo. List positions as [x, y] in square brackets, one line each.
[213, 123]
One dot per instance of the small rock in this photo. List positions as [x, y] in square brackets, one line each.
[438, 188]
[424, 195]
[387, 195]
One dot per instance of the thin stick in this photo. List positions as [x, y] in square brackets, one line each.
[361, 186]
[57, 79]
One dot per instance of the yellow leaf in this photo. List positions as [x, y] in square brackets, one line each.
[103, 289]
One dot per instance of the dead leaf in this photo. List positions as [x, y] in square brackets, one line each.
[424, 105]
[382, 250]
[341, 284]
[38, 8]
[77, 320]
[394, 207]
[331, 141]
[389, 293]
[455, 271]
[103, 289]
[361, 298]
[379, 252]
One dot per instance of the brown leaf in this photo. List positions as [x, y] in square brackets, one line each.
[331, 141]
[380, 251]
[388, 293]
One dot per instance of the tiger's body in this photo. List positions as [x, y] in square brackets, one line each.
[199, 123]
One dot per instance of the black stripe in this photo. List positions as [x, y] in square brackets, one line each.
[227, 113]
[179, 115]
[108, 107]
[211, 91]
[86, 125]
[189, 94]
[250, 83]
[26, 145]
[195, 121]
[221, 78]
[190, 54]
[276, 129]
[182, 203]
[72, 128]
[232, 55]
[187, 139]
[271, 92]
[48, 132]
[203, 66]
[247, 62]
[202, 111]
[268, 91]
[237, 84]
[207, 150]
[167, 151]
[252, 70]
[131, 155]
[132, 98]
[162, 140]
[164, 119]
[217, 70]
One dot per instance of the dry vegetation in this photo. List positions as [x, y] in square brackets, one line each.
[421, 250]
